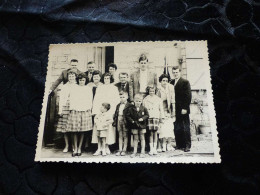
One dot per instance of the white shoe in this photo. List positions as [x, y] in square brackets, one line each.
[133, 155]
[65, 150]
[154, 149]
[164, 148]
[142, 155]
[151, 149]
[104, 153]
[108, 150]
[169, 147]
[97, 153]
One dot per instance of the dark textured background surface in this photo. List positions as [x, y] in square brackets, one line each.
[232, 28]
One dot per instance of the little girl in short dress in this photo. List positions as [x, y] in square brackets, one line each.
[64, 106]
[155, 109]
[80, 117]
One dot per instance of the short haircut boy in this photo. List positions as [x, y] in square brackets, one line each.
[139, 96]
[91, 62]
[74, 60]
[123, 93]
[106, 106]
[123, 73]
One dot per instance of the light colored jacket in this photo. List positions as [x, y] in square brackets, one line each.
[102, 121]
[65, 92]
[135, 81]
[154, 106]
[170, 94]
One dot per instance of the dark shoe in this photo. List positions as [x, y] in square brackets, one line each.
[186, 149]
[79, 154]
[74, 154]
[178, 148]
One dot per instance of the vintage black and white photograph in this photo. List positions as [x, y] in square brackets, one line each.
[128, 102]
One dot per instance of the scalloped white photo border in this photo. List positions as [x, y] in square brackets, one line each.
[184, 159]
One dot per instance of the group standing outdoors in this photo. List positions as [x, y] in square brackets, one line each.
[94, 109]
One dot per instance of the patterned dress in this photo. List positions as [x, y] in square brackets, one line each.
[64, 106]
[80, 117]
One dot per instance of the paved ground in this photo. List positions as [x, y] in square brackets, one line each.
[199, 148]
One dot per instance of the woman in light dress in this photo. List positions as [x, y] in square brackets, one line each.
[106, 93]
[167, 94]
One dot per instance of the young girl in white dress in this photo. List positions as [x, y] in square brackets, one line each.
[64, 106]
[80, 117]
[155, 109]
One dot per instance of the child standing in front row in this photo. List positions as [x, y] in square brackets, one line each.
[102, 122]
[137, 121]
[154, 106]
[120, 122]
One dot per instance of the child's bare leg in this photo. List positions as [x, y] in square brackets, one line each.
[99, 144]
[120, 143]
[125, 142]
[81, 138]
[99, 147]
[107, 149]
[155, 142]
[136, 138]
[159, 142]
[142, 144]
[151, 143]
[169, 146]
[66, 139]
[164, 144]
[103, 140]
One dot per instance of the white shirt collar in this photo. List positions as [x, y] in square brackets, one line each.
[176, 80]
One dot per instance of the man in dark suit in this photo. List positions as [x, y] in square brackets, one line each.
[123, 85]
[182, 100]
[91, 66]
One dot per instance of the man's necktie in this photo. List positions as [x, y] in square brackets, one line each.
[123, 86]
[94, 91]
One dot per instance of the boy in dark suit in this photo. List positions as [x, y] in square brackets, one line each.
[182, 100]
[120, 122]
[136, 118]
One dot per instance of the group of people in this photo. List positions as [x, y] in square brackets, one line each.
[93, 106]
